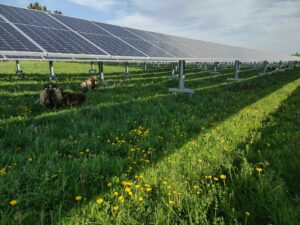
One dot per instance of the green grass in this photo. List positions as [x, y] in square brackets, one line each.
[135, 131]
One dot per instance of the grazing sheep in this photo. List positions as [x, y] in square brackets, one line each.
[89, 84]
[71, 99]
[51, 96]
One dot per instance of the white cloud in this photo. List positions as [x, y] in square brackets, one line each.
[97, 4]
[272, 25]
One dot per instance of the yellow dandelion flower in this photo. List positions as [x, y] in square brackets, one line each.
[196, 187]
[127, 189]
[116, 193]
[147, 185]
[141, 199]
[109, 184]
[165, 182]
[216, 179]
[100, 201]
[148, 189]
[171, 202]
[208, 177]
[258, 169]
[121, 199]
[247, 213]
[116, 208]
[13, 202]
[223, 177]
[78, 198]
[2, 171]
[29, 159]
[87, 150]
[137, 186]
[130, 193]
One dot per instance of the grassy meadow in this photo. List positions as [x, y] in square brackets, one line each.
[135, 154]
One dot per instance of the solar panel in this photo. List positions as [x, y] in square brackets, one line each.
[23, 30]
[159, 43]
[117, 31]
[29, 17]
[147, 48]
[22, 57]
[79, 25]
[60, 41]
[12, 40]
[113, 45]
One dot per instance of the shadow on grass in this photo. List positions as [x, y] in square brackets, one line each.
[273, 196]
[56, 141]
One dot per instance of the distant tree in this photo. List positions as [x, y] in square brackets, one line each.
[57, 12]
[37, 6]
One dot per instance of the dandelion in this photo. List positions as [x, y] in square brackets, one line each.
[147, 185]
[195, 187]
[2, 171]
[87, 150]
[81, 153]
[100, 201]
[116, 208]
[148, 189]
[116, 193]
[171, 202]
[137, 186]
[258, 169]
[29, 159]
[216, 179]
[165, 182]
[223, 177]
[208, 177]
[13, 202]
[141, 199]
[130, 193]
[121, 199]
[78, 198]
[247, 213]
[109, 185]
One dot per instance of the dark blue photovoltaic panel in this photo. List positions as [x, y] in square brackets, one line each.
[147, 48]
[60, 41]
[1, 57]
[1, 20]
[22, 57]
[117, 31]
[159, 43]
[112, 45]
[12, 40]
[80, 25]
[144, 35]
[30, 17]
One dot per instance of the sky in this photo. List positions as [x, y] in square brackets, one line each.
[270, 25]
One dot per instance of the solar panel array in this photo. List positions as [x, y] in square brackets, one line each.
[28, 33]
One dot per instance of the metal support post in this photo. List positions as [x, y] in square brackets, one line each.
[181, 88]
[101, 74]
[126, 69]
[19, 72]
[52, 74]
[237, 70]
[215, 68]
[265, 68]
[92, 70]
[145, 65]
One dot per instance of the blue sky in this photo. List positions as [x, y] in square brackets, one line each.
[271, 25]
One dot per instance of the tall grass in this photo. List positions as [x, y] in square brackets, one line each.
[135, 154]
